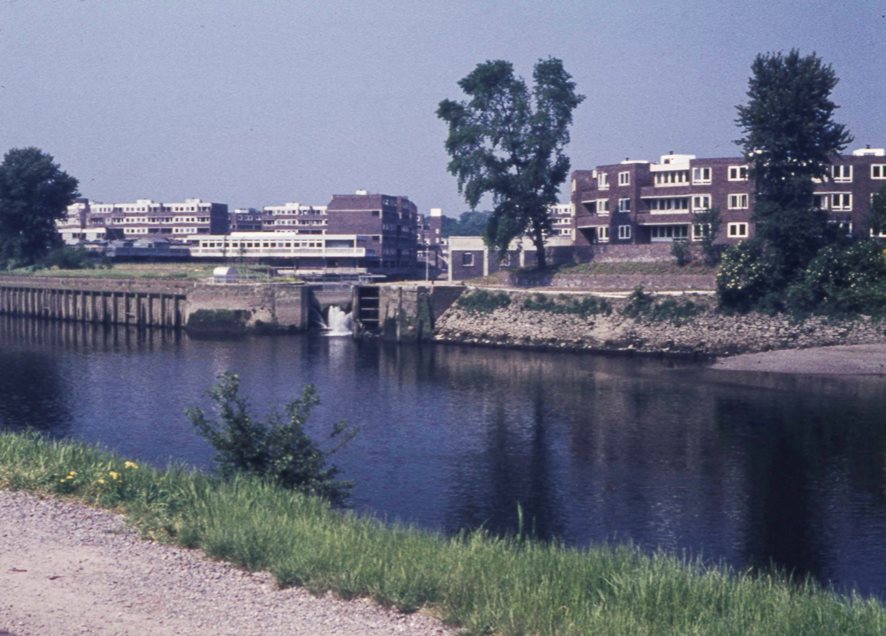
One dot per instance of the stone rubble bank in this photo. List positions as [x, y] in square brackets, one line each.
[708, 333]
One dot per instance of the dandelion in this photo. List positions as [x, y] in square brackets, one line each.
[100, 481]
[72, 474]
[114, 474]
[129, 464]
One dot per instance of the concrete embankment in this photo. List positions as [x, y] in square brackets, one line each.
[689, 325]
[197, 306]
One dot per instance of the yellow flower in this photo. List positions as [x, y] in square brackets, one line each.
[100, 480]
[129, 464]
[72, 474]
[114, 474]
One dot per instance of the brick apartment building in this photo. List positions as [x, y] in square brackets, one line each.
[637, 202]
[90, 220]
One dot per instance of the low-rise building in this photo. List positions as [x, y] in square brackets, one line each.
[636, 202]
[143, 217]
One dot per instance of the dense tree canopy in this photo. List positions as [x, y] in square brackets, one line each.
[788, 137]
[34, 193]
[469, 223]
[508, 142]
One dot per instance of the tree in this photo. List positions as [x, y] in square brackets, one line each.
[708, 222]
[470, 223]
[277, 450]
[789, 138]
[877, 215]
[508, 143]
[34, 194]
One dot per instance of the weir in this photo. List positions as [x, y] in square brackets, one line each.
[158, 303]
[140, 308]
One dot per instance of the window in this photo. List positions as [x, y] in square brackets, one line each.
[844, 226]
[738, 202]
[669, 206]
[820, 201]
[738, 173]
[700, 231]
[624, 205]
[841, 202]
[467, 259]
[603, 234]
[701, 202]
[603, 206]
[624, 178]
[878, 171]
[602, 181]
[841, 174]
[737, 230]
[672, 178]
[668, 233]
[624, 232]
[701, 175]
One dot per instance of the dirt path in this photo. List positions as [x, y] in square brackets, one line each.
[866, 359]
[69, 569]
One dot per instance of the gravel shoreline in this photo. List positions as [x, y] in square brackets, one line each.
[868, 359]
[66, 568]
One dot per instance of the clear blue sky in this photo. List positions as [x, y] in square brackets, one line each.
[257, 103]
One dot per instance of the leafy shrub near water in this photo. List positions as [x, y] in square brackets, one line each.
[643, 305]
[566, 305]
[277, 450]
[480, 301]
[842, 280]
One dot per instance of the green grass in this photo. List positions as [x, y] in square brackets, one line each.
[163, 271]
[483, 583]
[639, 267]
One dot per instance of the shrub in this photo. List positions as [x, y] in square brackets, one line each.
[842, 280]
[748, 279]
[681, 252]
[565, 305]
[481, 301]
[642, 305]
[68, 258]
[277, 450]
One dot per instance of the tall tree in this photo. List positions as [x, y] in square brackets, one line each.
[508, 142]
[34, 192]
[789, 138]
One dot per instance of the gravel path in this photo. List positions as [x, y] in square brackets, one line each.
[66, 568]
[865, 359]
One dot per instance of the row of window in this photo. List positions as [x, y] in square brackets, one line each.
[702, 175]
[835, 201]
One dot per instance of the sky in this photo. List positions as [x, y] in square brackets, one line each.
[259, 103]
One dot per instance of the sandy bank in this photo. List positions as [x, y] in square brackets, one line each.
[863, 359]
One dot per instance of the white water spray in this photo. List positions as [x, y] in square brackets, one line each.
[338, 323]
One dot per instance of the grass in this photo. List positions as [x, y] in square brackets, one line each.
[485, 584]
[639, 267]
[163, 271]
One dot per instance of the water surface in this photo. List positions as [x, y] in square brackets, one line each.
[749, 469]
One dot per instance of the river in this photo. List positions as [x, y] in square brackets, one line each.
[745, 469]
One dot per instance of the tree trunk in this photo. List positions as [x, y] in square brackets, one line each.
[540, 256]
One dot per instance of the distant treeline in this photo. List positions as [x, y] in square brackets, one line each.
[468, 224]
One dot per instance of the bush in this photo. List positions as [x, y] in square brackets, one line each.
[565, 305]
[681, 252]
[68, 258]
[642, 305]
[748, 279]
[842, 280]
[277, 450]
[481, 301]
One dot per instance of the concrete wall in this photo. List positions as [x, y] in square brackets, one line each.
[163, 304]
[408, 313]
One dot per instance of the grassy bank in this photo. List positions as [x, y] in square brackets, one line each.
[486, 584]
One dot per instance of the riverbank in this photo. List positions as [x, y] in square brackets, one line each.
[673, 324]
[836, 360]
[483, 583]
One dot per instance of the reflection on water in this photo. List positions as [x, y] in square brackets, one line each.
[750, 469]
